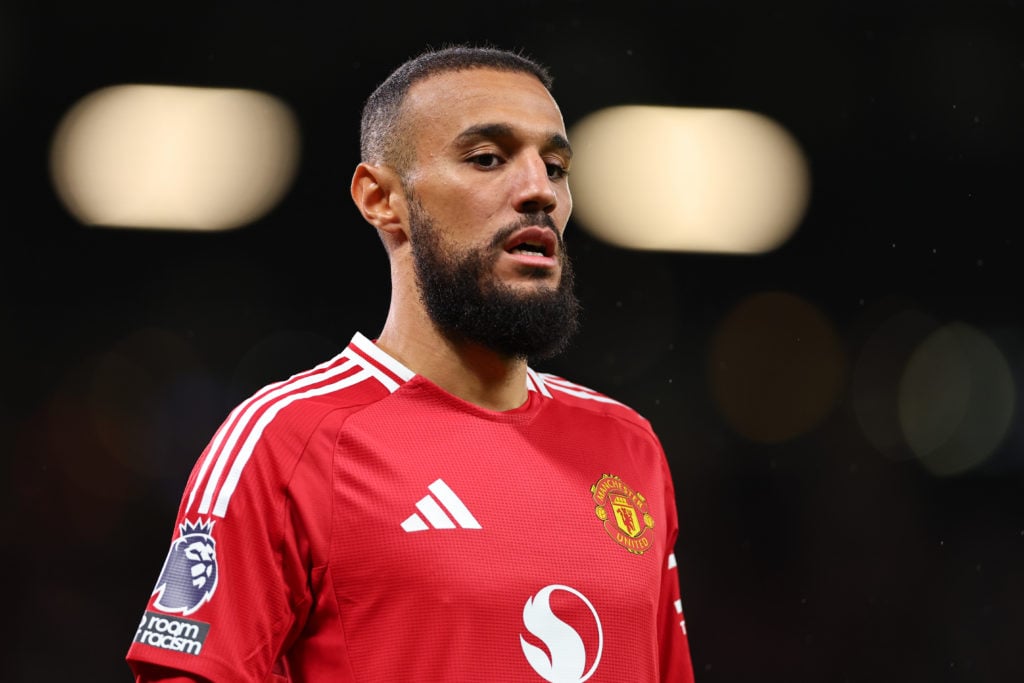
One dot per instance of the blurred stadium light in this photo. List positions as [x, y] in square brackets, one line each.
[173, 157]
[687, 179]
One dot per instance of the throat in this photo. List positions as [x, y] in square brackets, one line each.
[482, 377]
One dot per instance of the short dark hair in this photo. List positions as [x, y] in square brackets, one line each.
[380, 137]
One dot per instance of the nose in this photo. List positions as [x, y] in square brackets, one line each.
[534, 189]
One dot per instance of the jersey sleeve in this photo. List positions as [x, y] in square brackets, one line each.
[145, 673]
[673, 643]
[235, 585]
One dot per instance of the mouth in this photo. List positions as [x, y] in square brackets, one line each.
[532, 241]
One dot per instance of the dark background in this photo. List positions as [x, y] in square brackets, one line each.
[815, 558]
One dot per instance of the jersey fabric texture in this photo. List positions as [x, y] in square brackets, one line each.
[356, 523]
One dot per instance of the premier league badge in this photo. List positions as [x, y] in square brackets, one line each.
[189, 576]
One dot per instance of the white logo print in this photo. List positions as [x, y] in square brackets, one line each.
[568, 653]
[436, 516]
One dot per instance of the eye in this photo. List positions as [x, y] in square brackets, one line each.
[556, 171]
[486, 160]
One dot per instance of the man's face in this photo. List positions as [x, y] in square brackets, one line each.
[488, 204]
[465, 300]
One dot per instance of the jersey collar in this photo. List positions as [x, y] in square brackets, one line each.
[369, 350]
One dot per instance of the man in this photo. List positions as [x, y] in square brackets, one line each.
[425, 506]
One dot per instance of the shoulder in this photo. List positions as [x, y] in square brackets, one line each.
[581, 397]
[305, 401]
[259, 444]
[357, 377]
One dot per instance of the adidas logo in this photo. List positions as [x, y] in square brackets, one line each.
[437, 517]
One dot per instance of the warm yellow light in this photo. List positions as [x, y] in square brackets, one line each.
[687, 179]
[776, 367]
[169, 157]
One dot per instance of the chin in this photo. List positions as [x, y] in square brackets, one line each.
[530, 276]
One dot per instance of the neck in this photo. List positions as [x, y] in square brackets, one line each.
[471, 372]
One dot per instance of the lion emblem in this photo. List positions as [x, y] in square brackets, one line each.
[189, 576]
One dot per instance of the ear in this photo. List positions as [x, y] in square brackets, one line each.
[378, 194]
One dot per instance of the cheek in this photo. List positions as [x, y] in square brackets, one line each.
[463, 225]
[564, 207]
[472, 215]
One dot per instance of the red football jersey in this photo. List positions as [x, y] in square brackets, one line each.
[357, 523]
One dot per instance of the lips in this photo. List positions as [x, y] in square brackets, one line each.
[532, 241]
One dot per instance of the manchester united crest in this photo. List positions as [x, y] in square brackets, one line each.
[624, 514]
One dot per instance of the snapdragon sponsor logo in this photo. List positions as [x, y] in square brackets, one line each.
[172, 633]
[565, 654]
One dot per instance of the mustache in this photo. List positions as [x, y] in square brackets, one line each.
[525, 221]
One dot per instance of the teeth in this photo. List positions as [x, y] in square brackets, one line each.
[531, 246]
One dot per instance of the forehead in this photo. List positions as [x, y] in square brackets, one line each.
[442, 106]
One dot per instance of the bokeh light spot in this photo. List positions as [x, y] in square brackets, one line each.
[956, 399]
[688, 179]
[171, 157]
[777, 367]
[875, 381]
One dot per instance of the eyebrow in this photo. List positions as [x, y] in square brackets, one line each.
[494, 131]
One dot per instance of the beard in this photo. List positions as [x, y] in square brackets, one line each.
[467, 302]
